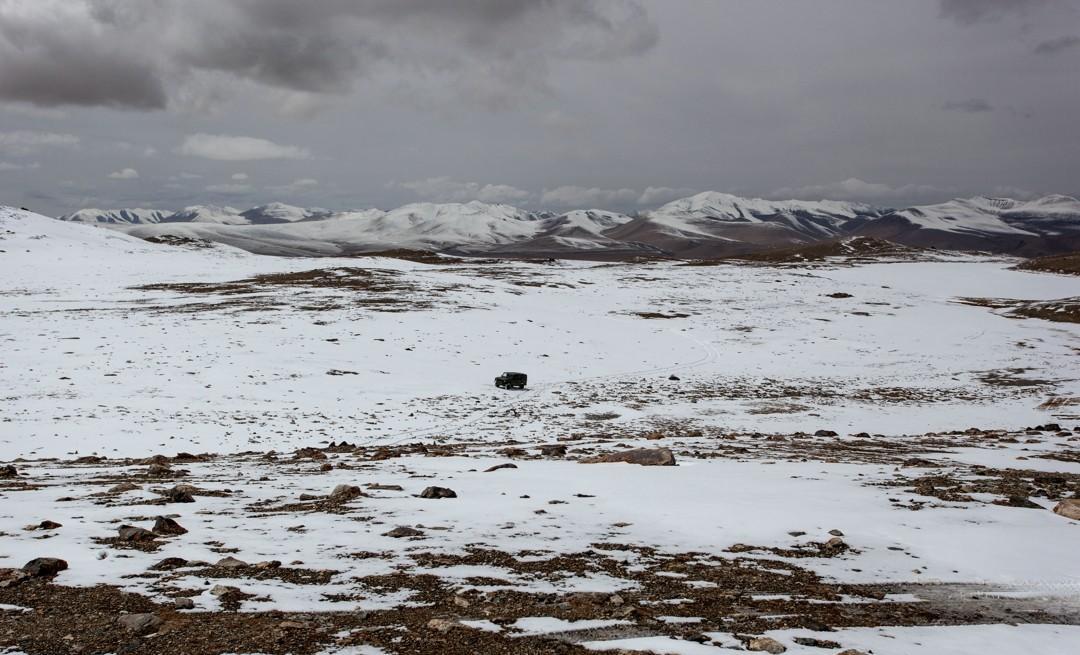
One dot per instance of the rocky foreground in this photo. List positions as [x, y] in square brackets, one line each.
[557, 547]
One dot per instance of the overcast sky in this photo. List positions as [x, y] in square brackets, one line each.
[621, 104]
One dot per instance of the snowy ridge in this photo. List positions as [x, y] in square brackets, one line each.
[208, 214]
[118, 216]
[708, 224]
[451, 225]
[727, 207]
[704, 214]
[977, 215]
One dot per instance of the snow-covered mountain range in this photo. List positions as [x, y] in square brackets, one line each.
[708, 224]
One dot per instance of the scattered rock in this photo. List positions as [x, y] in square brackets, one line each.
[553, 450]
[327, 466]
[8, 471]
[134, 534]
[181, 493]
[184, 604]
[500, 466]
[674, 378]
[815, 643]
[641, 456]
[221, 590]
[47, 525]
[403, 531]
[1069, 508]
[851, 651]
[825, 433]
[140, 624]
[835, 546]
[442, 625]
[384, 487]
[169, 564]
[124, 486]
[438, 492]
[839, 294]
[1017, 501]
[159, 471]
[344, 493]
[164, 525]
[767, 645]
[836, 533]
[309, 453]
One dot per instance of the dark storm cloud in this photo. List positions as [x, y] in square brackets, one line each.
[45, 66]
[972, 106]
[1054, 46]
[138, 55]
[973, 11]
[621, 104]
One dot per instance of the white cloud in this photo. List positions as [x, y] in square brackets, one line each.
[659, 195]
[1015, 193]
[125, 174]
[239, 177]
[855, 189]
[230, 189]
[445, 189]
[238, 148]
[583, 197]
[24, 142]
[296, 186]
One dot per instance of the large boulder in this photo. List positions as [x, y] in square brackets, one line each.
[1069, 508]
[641, 456]
[438, 492]
[140, 624]
[403, 531]
[135, 534]
[766, 645]
[344, 493]
[166, 526]
[231, 562]
[44, 567]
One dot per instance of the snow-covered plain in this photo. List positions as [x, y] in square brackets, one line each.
[404, 353]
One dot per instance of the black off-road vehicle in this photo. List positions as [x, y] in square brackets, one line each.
[511, 380]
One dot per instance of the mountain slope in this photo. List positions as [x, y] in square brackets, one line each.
[714, 224]
[1003, 225]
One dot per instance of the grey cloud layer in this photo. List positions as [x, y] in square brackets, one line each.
[545, 104]
[974, 11]
[139, 55]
